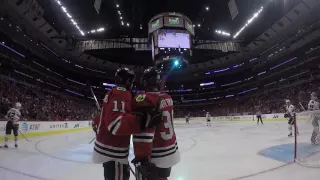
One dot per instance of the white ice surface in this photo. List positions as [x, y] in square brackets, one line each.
[221, 152]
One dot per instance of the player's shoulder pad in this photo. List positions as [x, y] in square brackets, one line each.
[121, 89]
[140, 97]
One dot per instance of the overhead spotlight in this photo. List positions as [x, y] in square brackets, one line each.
[207, 8]
[176, 62]
[82, 33]
[120, 17]
[194, 25]
[100, 29]
[128, 24]
[31, 40]
[119, 12]
[199, 25]
[59, 2]
[255, 15]
[122, 23]
[10, 25]
[1, 19]
[69, 15]
[64, 9]
[93, 31]
[74, 23]
[118, 6]
[141, 27]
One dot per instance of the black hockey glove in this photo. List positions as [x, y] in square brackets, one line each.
[95, 129]
[286, 115]
[148, 170]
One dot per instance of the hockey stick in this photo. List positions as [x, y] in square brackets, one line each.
[92, 140]
[131, 170]
[302, 106]
[97, 104]
[24, 136]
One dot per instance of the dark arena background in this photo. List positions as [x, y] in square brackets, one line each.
[227, 61]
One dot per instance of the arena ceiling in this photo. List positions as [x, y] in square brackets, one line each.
[206, 15]
[138, 12]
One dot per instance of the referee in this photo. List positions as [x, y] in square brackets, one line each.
[259, 117]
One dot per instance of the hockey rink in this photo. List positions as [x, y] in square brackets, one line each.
[224, 151]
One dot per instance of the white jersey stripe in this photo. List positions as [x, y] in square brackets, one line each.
[111, 153]
[114, 122]
[111, 147]
[142, 140]
[114, 131]
[165, 148]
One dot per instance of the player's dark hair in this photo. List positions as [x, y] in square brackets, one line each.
[151, 79]
[125, 77]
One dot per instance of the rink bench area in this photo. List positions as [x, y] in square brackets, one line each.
[45, 128]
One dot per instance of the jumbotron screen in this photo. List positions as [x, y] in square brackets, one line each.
[171, 39]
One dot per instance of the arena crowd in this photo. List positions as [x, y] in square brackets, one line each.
[41, 105]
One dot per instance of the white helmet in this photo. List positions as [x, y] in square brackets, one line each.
[18, 105]
[287, 101]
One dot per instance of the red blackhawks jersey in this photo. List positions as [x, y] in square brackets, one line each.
[157, 144]
[115, 127]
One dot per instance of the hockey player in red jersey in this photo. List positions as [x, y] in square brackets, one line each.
[156, 148]
[115, 128]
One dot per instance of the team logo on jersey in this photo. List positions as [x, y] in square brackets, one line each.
[140, 98]
[121, 89]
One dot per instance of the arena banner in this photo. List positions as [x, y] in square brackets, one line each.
[46, 126]
[267, 117]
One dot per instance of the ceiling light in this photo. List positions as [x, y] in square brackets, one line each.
[255, 15]
[207, 8]
[118, 5]
[122, 23]
[10, 25]
[59, 2]
[74, 23]
[64, 9]
[119, 12]
[223, 33]
[128, 24]
[100, 29]
[93, 31]
[69, 15]
[199, 25]
[1, 19]
[82, 33]
[120, 17]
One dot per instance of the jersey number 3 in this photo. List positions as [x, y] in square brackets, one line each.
[167, 118]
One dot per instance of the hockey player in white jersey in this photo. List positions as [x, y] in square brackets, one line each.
[290, 114]
[208, 116]
[13, 116]
[314, 118]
